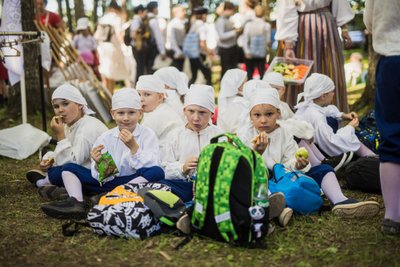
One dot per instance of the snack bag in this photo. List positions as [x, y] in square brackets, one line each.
[106, 167]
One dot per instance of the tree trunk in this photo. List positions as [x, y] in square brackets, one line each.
[69, 16]
[195, 3]
[31, 54]
[366, 101]
[60, 9]
[79, 9]
[95, 17]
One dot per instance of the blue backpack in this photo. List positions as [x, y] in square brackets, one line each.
[302, 192]
[191, 45]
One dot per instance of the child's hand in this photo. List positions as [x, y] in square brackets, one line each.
[354, 122]
[127, 137]
[96, 153]
[190, 164]
[301, 163]
[349, 116]
[260, 142]
[57, 126]
[45, 164]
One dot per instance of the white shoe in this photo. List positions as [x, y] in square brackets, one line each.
[285, 216]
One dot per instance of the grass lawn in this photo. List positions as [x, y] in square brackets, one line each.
[29, 238]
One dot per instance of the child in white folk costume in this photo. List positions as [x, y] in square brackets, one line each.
[185, 143]
[134, 149]
[75, 132]
[176, 86]
[158, 116]
[276, 144]
[318, 95]
[229, 110]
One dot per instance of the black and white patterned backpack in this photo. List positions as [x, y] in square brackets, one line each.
[122, 213]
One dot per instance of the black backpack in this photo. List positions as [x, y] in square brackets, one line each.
[363, 174]
[127, 36]
[367, 132]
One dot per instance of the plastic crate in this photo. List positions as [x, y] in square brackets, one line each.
[291, 79]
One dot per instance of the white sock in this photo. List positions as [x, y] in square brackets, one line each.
[138, 180]
[312, 158]
[331, 188]
[43, 182]
[364, 151]
[73, 185]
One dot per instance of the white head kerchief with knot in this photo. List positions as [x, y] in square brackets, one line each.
[126, 98]
[201, 95]
[151, 83]
[230, 83]
[173, 78]
[274, 78]
[267, 96]
[315, 86]
[69, 92]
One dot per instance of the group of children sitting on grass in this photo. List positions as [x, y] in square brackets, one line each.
[162, 126]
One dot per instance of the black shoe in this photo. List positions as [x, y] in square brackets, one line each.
[34, 175]
[336, 161]
[390, 227]
[69, 208]
[52, 192]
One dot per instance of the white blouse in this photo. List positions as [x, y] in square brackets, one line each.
[184, 143]
[148, 154]
[344, 140]
[287, 15]
[78, 142]
[281, 149]
[162, 120]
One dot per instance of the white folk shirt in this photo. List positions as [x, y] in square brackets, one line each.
[148, 154]
[257, 26]
[175, 36]
[226, 32]
[174, 101]
[230, 114]
[287, 15]
[381, 19]
[78, 142]
[281, 149]
[286, 111]
[344, 140]
[156, 32]
[183, 144]
[162, 120]
[84, 44]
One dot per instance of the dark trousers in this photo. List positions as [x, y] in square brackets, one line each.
[197, 64]
[252, 63]
[177, 63]
[229, 58]
[140, 58]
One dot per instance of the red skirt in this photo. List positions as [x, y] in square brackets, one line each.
[3, 72]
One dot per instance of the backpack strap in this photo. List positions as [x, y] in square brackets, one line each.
[202, 187]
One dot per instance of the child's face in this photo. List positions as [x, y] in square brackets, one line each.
[197, 117]
[69, 111]
[264, 116]
[326, 99]
[150, 100]
[126, 118]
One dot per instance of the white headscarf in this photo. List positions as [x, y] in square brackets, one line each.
[274, 78]
[173, 78]
[267, 96]
[230, 83]
[150, 83]
[201, 95]
[71, 93]
[250, 88]
[126, 98]
[315, 86]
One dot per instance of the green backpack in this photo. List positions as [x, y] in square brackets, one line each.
[229, 175]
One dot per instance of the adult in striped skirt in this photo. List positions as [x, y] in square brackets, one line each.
[308, 29]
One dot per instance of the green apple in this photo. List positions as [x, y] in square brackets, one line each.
[301, 153]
